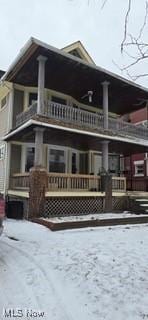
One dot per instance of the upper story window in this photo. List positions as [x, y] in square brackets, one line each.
[58, 100]
[2, 152]
[32, 98]
[3, 102]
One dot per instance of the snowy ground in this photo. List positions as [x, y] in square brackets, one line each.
[94, 274]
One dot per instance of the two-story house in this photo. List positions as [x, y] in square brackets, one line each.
[59, 111]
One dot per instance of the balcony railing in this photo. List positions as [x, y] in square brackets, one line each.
[84, 119]
[69, 182]
[26, 115]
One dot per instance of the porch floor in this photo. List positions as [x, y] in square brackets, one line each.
[25, 194]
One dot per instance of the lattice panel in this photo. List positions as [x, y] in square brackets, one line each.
[73, 206]
[120, 203]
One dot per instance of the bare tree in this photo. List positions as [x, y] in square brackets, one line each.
[131, 43]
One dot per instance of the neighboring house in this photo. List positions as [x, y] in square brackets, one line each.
[58, 110]
[136, 165]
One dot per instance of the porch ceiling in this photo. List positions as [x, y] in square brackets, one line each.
[75, 77]
[75, 140]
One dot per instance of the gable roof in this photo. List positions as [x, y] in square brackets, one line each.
[73, 76]
[77, 49]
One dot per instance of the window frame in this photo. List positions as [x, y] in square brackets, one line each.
[136, 164]
[62, 148]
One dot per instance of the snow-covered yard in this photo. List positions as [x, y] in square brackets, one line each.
[94, 274]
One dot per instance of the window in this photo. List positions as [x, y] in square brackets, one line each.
[2, 152]
[32, 98]
[30, 151]
[114, 164]
[58, 100]
[56, 161]
[139, 168]
[3, 102]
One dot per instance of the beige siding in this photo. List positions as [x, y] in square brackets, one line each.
[4, 121]
[2, 170]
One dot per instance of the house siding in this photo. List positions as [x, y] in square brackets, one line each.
[2, 171]
[5, 126]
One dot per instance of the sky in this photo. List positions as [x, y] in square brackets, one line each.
[61, 22]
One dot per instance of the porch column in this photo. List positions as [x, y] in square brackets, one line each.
[105, 165]
[105, 85]
[39, 134]
[41, 83]
[38, 179]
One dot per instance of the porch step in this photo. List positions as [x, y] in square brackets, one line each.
[144, 205]
[139, 205]
[141, 200]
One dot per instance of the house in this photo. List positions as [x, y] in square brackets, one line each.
[60, 126]
[136, 165]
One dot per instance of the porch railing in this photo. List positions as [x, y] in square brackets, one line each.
[69, 182]
[73, 182]
[68, 114]
[19, 181]
[26, 115]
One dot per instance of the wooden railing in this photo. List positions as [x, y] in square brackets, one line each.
[84, 118]
[77, 182]
[68, 182]
[19, 181]
[119, 184]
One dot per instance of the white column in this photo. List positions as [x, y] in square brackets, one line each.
[105, 165]
[105, 85]
[41, 83]
[39, 134]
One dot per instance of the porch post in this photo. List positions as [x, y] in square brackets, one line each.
[41, 83]
[38, 179]
[105, 85]
[105, 165]
[105, 154]
[39, 134]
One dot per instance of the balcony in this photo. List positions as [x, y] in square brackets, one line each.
[85, 120]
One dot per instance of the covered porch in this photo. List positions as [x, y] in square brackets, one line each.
[73, 160]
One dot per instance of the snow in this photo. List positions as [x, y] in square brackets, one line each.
[87, 274]
[96, 216]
